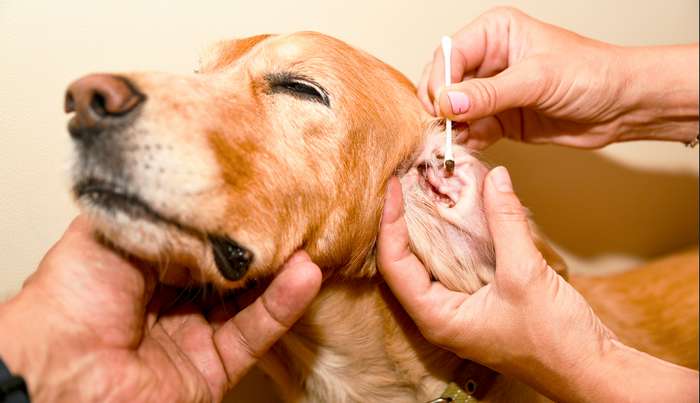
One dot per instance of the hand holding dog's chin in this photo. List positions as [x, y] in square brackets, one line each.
[88, 327]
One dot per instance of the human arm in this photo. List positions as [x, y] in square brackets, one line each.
[528, 323]
[90, 325]
[522, 79]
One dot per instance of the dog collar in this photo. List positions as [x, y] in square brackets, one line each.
[471, 385]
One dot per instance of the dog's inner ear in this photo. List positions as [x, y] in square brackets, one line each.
[457, 195]
[447, 222]
[445, 218]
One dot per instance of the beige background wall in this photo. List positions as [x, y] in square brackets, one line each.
[604, 209]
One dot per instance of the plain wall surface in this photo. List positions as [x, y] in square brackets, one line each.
[605, 209]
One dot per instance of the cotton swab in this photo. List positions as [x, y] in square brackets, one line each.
[447, 54]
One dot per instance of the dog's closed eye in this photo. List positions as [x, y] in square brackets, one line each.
[298, 86]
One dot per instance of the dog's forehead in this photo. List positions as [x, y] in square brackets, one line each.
[309, 52]
[300, 45]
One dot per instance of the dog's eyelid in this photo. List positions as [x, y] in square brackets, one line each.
[299, 86]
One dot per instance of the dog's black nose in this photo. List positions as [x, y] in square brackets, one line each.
[99, 100]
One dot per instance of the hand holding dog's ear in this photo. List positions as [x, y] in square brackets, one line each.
[90, 325]
[528, 323]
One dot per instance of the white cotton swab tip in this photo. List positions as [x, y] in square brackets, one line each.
[447, 58]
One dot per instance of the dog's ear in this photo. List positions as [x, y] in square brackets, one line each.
[463, 191]
[447, 223]
[224, 53]
[460, 257]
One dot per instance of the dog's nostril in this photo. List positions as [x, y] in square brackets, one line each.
[98, 104]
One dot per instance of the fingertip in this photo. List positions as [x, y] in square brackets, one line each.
[499, 200]
[297, 257]
[295, 287]
[454, 104]
[499, 179]
[507, 219]
[393, 203]
[425, 101]
[80, 224]
[79, 235]
[300, 272]
[311, 277]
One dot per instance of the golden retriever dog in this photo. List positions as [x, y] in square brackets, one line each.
[284, 142]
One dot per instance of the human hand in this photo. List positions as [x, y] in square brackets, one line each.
[528, 323]
[90, 325]
[533, 82]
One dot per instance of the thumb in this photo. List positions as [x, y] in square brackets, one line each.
[481, 97]
[517, 258]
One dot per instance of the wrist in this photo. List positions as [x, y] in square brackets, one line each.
[660, 93]
[21, 356]
[622, 374]
[565, 374]
[626, 374]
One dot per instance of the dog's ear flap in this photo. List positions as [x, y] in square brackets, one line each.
[447, 224]
[224, 53]
[463, 191]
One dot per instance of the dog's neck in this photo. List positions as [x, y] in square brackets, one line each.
[356, 343]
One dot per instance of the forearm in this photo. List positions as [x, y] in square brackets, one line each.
[619, 374]
[661, 93]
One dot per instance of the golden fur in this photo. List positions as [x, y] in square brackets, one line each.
[278, 173]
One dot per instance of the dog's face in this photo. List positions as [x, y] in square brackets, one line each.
[277, 143]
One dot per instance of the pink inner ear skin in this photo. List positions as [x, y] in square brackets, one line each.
[457, 196]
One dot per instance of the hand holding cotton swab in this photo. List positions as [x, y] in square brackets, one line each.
[447, 54]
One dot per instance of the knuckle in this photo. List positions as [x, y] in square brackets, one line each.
[544, 75]
[510, 213]
[487, 94]
[277, 319]
[246, 347]
[504, 12]
[518, 284]
[435, 333]
[535, 264]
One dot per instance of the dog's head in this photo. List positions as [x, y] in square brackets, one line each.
[276, 143]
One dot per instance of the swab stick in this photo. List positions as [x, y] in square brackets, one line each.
[447, 54]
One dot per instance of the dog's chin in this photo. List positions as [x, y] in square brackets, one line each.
[181, 255]
[150, 241]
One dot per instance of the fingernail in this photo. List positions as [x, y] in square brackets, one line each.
[458, 101]
[501, 180]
